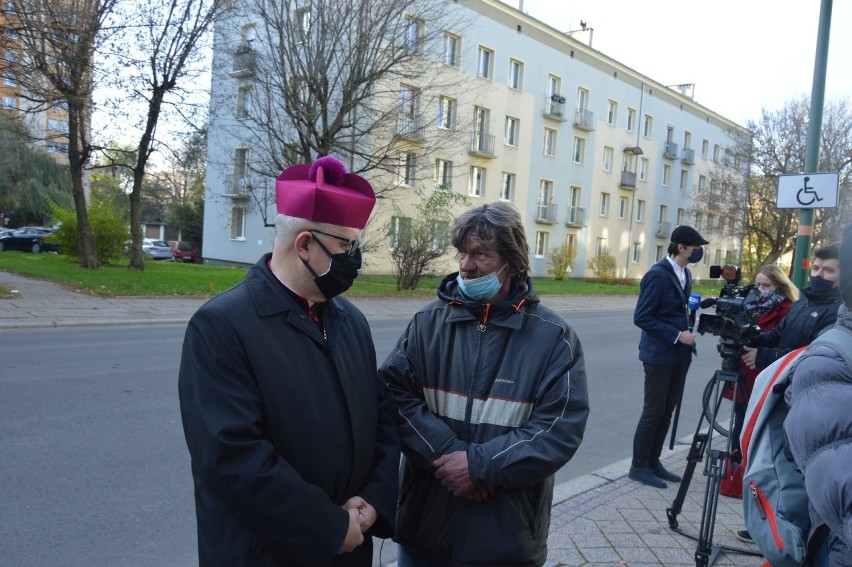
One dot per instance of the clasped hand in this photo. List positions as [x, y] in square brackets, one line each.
[452, 471]
[361, 517]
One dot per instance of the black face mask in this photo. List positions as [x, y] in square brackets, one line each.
[340, 275]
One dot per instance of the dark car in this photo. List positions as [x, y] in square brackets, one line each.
[183, 250]
[29, 239]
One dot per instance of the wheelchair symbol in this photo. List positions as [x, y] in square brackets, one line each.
[807, 191]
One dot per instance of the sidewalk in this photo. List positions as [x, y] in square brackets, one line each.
[598, 519]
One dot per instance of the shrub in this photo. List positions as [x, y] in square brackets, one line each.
[562, 260]
[109, 227]
[603, 265]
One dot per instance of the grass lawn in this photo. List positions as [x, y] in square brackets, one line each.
[179, 279]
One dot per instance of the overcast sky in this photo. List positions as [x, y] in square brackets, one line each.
[742, 55]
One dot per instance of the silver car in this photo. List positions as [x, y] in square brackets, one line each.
[156, 249]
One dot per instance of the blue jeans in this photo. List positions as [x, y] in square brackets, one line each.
[405, 559]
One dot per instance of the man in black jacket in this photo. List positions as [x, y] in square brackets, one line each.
[292, 437]
[815, 311]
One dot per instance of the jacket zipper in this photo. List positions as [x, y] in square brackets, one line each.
[766, 512]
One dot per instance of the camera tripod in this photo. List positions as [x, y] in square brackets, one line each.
[716, 465]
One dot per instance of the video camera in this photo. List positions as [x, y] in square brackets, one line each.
[737, 308]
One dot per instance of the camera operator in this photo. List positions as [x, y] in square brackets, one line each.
[777, 295]
[665, 350]
[808, 316]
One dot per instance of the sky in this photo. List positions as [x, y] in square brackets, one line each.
[743, 56]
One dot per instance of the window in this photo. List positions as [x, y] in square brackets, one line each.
[579, 149]
[516, 74]
[582, 99]
[476, 186]
[511, 135]
[439, 232]
[303, 21]
[631, 119]
[58, 125]
[57, 147]
[545, 193]
[9, 80]
[649, 122]
[238, 223]
[507, 186]
[718, 259]
[659, 253]
[412, 34]
[702, 183]
[681, 216]
[10, 103]
[607, 158]
[637, 252]
[604, 210]
[667, 175]
[623, 204]
[664, 213]
[640, 210]
[716, 150]
[541, 243]
[705, 145]
[611, 112]
[247, 35]
[407, 101]
[11, 56]
[452, 49]
[643, 169]
[400, 232]
[554, 86]
[669, 134]
[684, 177]
[549, 142]
[687, 140]
[407, 163]
[443, 174]
[239, 179]
[484, 63]
[447, 113]
[244, 101]
[600, 246]
[571, 241]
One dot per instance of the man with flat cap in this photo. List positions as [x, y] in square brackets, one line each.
[665, 349]
[291, 435]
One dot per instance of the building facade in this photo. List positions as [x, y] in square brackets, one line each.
[593, 154]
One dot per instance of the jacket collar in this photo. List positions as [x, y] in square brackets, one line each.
[519, 299]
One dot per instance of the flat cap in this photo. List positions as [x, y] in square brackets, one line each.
[687, 235]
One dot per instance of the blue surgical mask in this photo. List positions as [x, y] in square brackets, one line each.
[482, 288]
[696, 256]
[819, 285]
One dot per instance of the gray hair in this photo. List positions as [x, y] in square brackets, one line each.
[496, 226]
[287, 227]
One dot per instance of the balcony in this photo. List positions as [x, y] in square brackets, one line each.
[482, 145]
[546, 213]
[664, 229]
[671, 151]
[576, 217]
[584, 119]
[237, 187]
[243, 64]
[688, 156]
[628, 180]
[409, 128]
[554, 108]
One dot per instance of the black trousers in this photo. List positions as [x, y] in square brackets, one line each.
[663, 389]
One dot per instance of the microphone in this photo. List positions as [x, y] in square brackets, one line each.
[709, 302]
[693, 304]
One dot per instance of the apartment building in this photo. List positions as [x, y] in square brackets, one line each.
[591, 152]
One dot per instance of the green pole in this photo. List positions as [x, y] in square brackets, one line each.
[802, 259]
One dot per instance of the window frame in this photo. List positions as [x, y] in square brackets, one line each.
[476, 182]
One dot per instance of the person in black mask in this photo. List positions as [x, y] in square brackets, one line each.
[665, 349]
[815, 311]
[292, 436]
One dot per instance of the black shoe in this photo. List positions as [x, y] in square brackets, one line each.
[661, 472]
[744, 537]
[645, 475]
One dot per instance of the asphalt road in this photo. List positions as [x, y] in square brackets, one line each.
[93, 466]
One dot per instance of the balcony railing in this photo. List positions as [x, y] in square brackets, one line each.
[584, 119]
[671, 151]
[236, 187]
[554, 108]
[664, 229]
[243, 65]
[688, 156]
[546, 212]
[628, 180]
[410, 128]
[482, 144]
[576, 216]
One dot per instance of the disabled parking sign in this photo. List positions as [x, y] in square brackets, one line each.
[807, 191]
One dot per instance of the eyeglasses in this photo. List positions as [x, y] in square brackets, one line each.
[353, 244]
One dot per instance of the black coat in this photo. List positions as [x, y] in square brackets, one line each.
[283, 428]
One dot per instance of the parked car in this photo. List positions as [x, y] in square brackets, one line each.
[183, 250]
[29, 239]
[156, 249]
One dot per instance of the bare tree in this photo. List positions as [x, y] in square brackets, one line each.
[55, 69]
[342, 77]
[158, 48]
